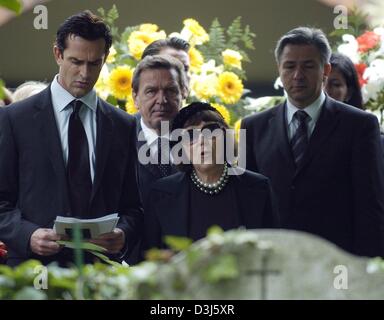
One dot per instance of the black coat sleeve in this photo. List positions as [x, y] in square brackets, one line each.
[15, 231]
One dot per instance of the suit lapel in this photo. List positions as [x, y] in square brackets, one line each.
[103, 143]
[246, 194]
[279, 126]
[327, 121]
[45, 119]
[150, 167]
[174, 206]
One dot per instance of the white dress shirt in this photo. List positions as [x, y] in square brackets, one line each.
[61, 99]
[151, 137]
[313, 110]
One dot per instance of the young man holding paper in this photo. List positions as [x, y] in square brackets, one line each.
[66, 152]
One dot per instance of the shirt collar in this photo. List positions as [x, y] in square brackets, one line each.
[61, 97]
[150, 135]
[313, 110]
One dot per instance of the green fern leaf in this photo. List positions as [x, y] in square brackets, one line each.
[234, 31]
[216, 44]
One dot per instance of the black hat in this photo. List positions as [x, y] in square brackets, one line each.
[188, 111]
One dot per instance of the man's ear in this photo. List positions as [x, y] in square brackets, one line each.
[185, 93]
[327, 69]
[57, 54]
[135, 100]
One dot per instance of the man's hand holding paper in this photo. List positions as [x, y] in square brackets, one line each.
[112, 241]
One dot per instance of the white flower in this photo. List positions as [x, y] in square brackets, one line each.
[380, 51]
[350, 48]
[210, 67]
[178, 35]
[257, 104]
[278, 84]
[374, 75]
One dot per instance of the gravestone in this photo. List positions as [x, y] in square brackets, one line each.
[290, 265]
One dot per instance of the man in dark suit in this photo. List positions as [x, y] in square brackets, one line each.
[66, 152]
[159, 85]
[323, 157]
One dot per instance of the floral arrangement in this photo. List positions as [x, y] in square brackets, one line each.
[364, 45]
[3, 251]
[367, 53]
[216, 58]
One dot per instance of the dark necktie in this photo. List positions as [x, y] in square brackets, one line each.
[78, 167]
[162, 154]
[299, 140]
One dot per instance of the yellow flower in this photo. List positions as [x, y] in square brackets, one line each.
[232, 58]
[237, 127]
[136, 48]
[112, 55]
[223, 111]
[130, 105]
[139, 40]
[229, 87]
[196, 59]
[148, 27]
[194, 32]
[204, 87]
[120, 81]
[101, 85]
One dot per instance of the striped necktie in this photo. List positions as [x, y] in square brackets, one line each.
[163, 156]
[299, 140]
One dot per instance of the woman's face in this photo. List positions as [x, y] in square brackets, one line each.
[204, 144]
[336, 86]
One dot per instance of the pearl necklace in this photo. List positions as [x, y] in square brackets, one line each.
[211, 188]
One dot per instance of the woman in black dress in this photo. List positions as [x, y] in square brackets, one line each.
[208, 190]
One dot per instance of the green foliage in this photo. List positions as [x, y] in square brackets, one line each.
[237, 34]
[376, 265]
[177, 243]
[83, 245]
[222, 268]
[210, 262]
[214, 230]
[2, 86]
[110, 17]
[13, 5]
[216, 44]
[236, 37]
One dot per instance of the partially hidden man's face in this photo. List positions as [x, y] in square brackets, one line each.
[80, 64]
[302, 73]
[178, 54]
[159, 96]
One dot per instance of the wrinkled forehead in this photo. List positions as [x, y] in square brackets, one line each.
[159, 76]
[300, 53]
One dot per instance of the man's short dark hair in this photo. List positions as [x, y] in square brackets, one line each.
[156, 46]
[305, 36]
[161, 62]
[85, 25]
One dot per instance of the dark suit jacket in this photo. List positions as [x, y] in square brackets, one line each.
[33, 187]
[338, 192]
[147, 173]
[169, 206]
